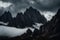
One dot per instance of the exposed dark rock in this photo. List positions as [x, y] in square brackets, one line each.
[35, 16]
[20, 21]
[29, 32]
[35, 33]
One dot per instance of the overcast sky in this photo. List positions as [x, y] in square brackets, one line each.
[45, 6]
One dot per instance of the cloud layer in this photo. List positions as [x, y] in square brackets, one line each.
[39, 4]
[15, 6]
[4, 4]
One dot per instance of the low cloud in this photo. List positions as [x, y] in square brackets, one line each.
[4, 4]
[48, 14]
[39, 4]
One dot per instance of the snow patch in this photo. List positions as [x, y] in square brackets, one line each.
[11, 31]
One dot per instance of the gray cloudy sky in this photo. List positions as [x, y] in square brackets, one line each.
[44, 4]
[15, 6]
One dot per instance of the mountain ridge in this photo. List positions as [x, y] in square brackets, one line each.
[29, 18]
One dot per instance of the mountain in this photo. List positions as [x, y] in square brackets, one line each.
[35, 16]
[28, 19]
[48, 31]
[20, 20]
[51, 30]
[6, 17]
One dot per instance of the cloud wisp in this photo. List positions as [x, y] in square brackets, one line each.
[4, 4]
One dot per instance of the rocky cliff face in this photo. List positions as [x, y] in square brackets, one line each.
[51, 30]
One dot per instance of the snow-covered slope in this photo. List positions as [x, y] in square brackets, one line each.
[11, 31]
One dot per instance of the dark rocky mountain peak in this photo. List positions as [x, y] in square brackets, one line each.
[30, 17]
[19, 14]
[6, 17]
[30, 7]
[35, 15]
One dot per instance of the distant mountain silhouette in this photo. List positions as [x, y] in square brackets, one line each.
[30, 17]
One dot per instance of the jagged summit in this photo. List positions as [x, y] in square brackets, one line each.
[30, 7]
[6, 17]
[35, 15]
[18, 14]
[29, 18]
[6, 13]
